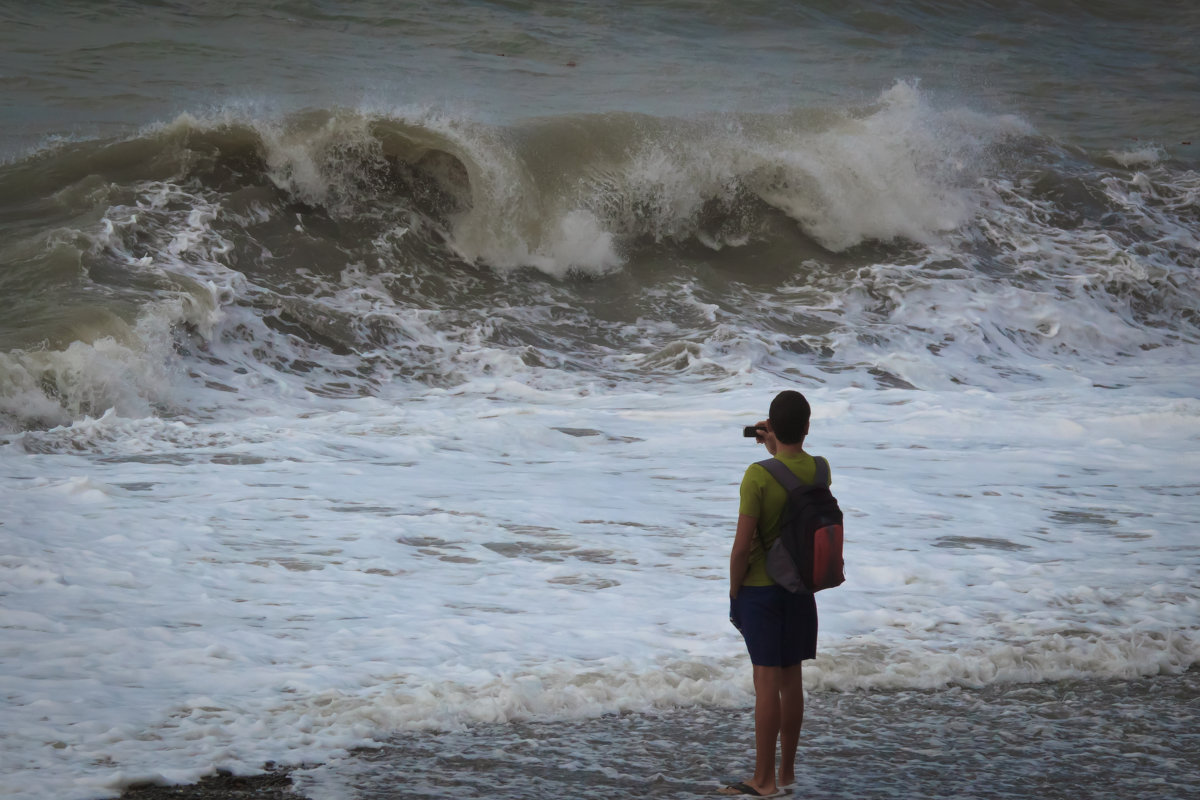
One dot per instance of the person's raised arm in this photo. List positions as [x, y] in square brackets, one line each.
[767, 436]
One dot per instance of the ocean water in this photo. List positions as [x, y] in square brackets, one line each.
[372, 375]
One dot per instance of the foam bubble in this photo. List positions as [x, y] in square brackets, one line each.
[1138, 157]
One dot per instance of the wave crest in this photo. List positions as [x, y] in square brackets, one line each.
[584, 193]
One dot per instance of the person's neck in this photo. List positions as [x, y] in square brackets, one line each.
[782, 449]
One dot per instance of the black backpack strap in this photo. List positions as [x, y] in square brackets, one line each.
[781, 473]
[822, 478]
[788, 480]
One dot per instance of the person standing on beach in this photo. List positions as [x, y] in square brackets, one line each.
[780, 628]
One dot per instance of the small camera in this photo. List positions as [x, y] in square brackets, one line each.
[751, 432]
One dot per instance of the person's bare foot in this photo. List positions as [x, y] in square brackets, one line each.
[750, 789]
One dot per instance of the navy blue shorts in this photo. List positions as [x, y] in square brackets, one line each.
[780, 628]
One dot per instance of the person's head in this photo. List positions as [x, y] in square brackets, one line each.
[789, 416]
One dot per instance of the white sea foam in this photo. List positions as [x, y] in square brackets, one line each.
[286, 587]
[55, 387]
[906, 170]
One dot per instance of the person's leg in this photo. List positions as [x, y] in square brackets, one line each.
[767, 719]
[800, 643]
[791, 709]
[760, 617]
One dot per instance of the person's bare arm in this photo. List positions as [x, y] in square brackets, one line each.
[743, 540]
[767, 437]
[739, 557]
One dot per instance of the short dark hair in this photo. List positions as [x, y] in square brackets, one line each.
[789, 417]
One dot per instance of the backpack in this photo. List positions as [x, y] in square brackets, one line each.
[807, 555]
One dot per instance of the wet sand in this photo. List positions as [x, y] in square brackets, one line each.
[274, 785]
[1120, 739]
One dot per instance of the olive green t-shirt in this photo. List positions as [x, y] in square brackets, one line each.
[763, 498]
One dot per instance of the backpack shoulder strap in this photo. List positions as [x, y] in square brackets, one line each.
[780, 473]
[788, 480]
[822, 478]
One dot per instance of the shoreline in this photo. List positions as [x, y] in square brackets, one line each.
[1046, 741]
